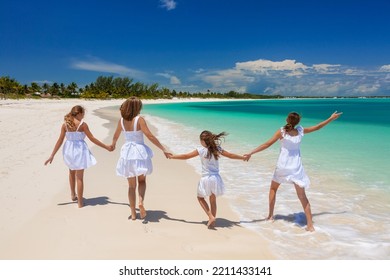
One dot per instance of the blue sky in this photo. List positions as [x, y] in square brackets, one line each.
[269, 47]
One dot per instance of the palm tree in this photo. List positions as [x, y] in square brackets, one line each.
[45, 88]
[55, 89]
[122, 87]
[72, 89]
[152, 91]
[9, 86]
[104, 85]
[62, 89]
[34, 87]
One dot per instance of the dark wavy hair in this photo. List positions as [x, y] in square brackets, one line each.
[212, 142]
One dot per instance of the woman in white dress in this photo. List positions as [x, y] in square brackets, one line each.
[210, 184]
[135, 161]
[289, 168]
[76, 154]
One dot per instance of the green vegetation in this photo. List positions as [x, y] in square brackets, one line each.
[106, 88]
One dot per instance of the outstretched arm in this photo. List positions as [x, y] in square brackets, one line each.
[57, 146]
[232, 156]
[265, 145]
[189, 155]
[334, 116]
[93, 139]
[151, 137]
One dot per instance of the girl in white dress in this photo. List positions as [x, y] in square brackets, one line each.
[76, 154]
[210, 184]
[135, 161]
[289, 168]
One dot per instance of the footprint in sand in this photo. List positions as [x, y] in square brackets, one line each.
[147, 229]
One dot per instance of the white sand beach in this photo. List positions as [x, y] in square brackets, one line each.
[40, 222]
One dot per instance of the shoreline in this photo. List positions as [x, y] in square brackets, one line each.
[332, 180]
[43, 223]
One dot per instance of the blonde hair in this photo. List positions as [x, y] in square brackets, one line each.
[69, 118]
[131, 108]
[292, 120]
[212, 142]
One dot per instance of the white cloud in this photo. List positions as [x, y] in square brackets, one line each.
[327, 68]
[309, 87]
[168, 4]
[175, 80]
[385, 68]
[265, 66]
[172, 79]
[367, 88]
[351, 72]
[232, 79]
[289, 77]
[98, 65]
[200, 70]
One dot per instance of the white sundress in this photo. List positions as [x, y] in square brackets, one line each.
[135, 157]
[76, 154]
[210, 182]
[289, 168]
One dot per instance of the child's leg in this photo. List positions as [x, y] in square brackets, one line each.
[131, 194]
[80, 187]
[306, 206]
[72, 184]
[141, 195]
[272, 199]
[213, 208]
[206, 208]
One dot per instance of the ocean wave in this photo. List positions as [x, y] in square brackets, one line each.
[351, 222]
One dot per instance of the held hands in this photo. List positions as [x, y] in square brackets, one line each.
[168, 154]
[111, 147]
[247, 157]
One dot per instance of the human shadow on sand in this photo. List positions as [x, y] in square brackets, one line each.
[154, 216]
[95, 201]
[300, 218]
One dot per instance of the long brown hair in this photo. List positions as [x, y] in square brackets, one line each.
[292, 120]
[131, 108]
[69, 118]
[212, 142]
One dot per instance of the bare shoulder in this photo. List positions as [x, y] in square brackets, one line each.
[142, 121]
[84, 126]
[63, 127]
[278, 134]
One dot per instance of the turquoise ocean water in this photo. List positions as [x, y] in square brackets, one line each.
[347, 162]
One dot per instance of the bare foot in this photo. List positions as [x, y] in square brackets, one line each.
[74, 197]
[133, 215]
[270, 218]
[310, 228]
[142, 211]
[211, 223]
[80, 200]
